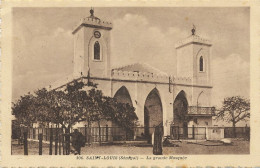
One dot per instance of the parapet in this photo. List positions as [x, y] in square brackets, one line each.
[139, 76]
[92, 22]
[149, 77]
[191, 40]
[181, 80]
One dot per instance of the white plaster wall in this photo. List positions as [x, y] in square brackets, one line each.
[188, 63]
[83, 53]
[185, 61]
[79, 57]
[98, 68]
[139, 91]
[202, 121]
[202, 96]
[203, 77]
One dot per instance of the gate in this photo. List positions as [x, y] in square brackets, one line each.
[177, 132]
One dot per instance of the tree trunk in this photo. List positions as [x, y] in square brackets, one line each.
[89, 133]
[99, 133]
[40, 143]
[25, 143]
[67, 140]
[234, 130]
[56, 140]
[51, 141]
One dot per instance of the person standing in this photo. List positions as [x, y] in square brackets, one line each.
[157, 140]
[77, 141]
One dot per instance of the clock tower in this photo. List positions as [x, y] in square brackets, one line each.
[92, 47]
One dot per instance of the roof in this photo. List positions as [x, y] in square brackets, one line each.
[193, 39]
[141, 67]
[92, 21]
[61, 81]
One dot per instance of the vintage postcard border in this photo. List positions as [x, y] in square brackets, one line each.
[70, 161]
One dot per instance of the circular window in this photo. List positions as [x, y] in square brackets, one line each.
[97, 34]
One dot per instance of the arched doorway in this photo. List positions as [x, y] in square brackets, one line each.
[153, 112]
[123, 96]
[118, 133]
[180, 118]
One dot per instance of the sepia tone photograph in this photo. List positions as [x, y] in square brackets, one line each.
[130, 81]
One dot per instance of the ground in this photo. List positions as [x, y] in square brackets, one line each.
[238, 147]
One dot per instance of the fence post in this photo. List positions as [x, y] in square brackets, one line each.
[51, 140]
[106, 133]
[193, 132]
[205, 132]
[178, 133]
[59, 144]
[67, 141]
[85, 130]
[171, 132]
[63, 145]
[33, 133]
[56, 140]
[247, 132]
[46, 138]
[40, 143]
[89, 134]
[25, 143]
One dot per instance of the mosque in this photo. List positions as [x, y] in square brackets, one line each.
[183, 100]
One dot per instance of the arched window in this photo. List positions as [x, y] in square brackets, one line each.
[96, 51]
[201, 63]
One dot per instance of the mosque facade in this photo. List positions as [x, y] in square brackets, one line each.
[180, 100]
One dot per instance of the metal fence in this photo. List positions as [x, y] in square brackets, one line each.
[109, 134]
[92, 134]
[240, 132]
[201, 132]
[187, 132]
[46, 133]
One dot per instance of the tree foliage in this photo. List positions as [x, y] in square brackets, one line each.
[75, 103]
[125, 115]
[23, 109]
[234, 109]
[61, 107]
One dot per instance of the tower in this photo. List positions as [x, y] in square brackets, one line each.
[92, 47]
[193, 59]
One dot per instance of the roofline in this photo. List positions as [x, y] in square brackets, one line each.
[183, 45]
[133, 81]
[90, 25]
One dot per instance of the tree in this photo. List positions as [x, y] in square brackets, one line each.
[233, 110]
[124, 115]
[98, 108]
[72, 104]
[106, 108]
[23, 110]
[62, 107]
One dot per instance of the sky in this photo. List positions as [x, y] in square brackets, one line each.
[43, 43]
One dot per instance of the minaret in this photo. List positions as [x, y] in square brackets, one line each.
[92, 47]
[193, 58]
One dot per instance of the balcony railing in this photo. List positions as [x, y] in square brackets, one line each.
[197, 110]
